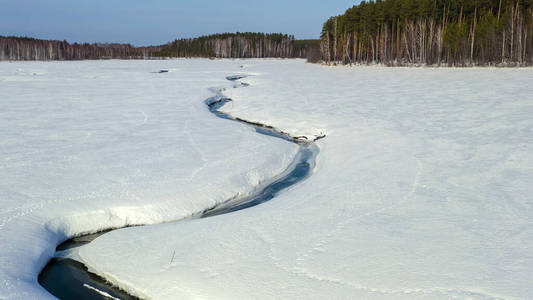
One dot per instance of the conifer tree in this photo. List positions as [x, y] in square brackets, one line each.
[432, 32]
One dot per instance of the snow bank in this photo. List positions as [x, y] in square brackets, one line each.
[422, 191]
[86, 146]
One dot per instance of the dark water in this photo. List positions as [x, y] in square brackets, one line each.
[68, 279]
[304, 164]
[235, 77]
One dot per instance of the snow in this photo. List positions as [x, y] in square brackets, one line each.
[422, 188]
[86, 146]
[100, 292]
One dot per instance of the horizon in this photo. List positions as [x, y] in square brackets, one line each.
[144, 24]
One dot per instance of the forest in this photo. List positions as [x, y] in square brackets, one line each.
[234, 45]
[431, 32]
[227, 45]
[231, 45]
[24, 48]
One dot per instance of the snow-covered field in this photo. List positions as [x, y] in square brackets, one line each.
[423, 186]
[91, 145]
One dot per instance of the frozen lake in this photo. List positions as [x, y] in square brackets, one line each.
[422, 188]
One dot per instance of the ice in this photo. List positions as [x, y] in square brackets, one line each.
[100, 292]
[92, 145]
[422, 190]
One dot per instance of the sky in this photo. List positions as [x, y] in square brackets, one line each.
[154, 22]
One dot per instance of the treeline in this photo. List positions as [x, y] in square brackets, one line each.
[238, 45]
[23, 48]
[309, 49]
[432, 32]
[228, 45]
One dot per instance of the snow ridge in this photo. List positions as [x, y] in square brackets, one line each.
[307, 154]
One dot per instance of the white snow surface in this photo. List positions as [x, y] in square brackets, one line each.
[86, 146]
[422, 190]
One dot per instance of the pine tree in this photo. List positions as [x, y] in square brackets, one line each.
[432, 32]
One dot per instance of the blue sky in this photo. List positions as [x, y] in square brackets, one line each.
[146, 22]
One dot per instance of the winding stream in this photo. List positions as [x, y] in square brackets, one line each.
[66, 278]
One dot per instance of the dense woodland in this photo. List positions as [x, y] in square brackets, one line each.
[22, 48]
[309, 49]
[237, 45]
[432, 32]
[228, 45]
